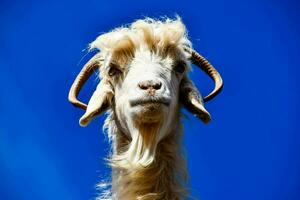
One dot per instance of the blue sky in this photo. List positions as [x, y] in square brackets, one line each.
[250, 150]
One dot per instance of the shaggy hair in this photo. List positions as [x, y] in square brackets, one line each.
[164, 178]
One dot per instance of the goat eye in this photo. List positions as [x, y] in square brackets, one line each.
[113, 70]
[179, 67]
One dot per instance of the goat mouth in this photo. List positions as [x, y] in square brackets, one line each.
[136, 102]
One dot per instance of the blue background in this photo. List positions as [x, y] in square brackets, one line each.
[251, 149]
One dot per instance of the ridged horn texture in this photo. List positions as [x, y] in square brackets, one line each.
[203, 64]
[87, 70]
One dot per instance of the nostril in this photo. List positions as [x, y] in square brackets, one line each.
[157, 86]
[143, 86]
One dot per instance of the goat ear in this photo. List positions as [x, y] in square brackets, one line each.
[99, 102]
[192, 100]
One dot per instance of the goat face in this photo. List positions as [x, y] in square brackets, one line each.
[143, 80]
[147, 90]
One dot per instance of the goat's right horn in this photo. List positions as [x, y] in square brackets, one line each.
[81, 78]
[201, 62]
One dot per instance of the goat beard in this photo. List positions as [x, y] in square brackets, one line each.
[140, 151]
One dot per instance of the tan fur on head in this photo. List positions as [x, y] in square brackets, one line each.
[151, 34]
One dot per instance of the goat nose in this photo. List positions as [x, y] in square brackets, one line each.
[150, 85]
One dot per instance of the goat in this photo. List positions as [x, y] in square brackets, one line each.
[143, 84]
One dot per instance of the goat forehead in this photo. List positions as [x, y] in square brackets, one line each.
[148, 59]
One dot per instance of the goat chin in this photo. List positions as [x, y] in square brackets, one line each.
[148, 115]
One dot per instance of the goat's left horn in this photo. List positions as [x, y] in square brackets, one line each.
[81, 78]
[201, 62]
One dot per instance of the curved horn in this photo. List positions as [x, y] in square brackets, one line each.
[81, 78]
[201, 62]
